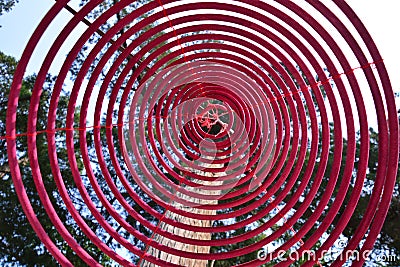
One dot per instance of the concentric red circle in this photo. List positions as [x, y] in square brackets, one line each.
[231, 112]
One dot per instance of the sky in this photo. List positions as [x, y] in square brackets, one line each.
[381, 18]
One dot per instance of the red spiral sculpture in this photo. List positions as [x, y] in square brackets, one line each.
[254, 93]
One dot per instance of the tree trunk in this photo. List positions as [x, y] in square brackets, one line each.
[189, 221]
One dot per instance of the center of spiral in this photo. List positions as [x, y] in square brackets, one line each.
[213, 118]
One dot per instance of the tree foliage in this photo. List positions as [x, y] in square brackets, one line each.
[18, 241]
[7, 5]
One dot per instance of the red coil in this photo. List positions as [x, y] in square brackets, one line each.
[237, 68]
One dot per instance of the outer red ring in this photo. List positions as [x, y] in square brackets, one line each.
[388, 149]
